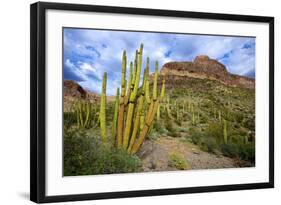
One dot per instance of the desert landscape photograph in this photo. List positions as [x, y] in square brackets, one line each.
[139, 101]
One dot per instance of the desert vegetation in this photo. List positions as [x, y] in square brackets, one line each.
[145, 122]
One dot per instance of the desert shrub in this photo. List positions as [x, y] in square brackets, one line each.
[178, 121]
[206, 143]
[69, 119]
[183, 129]
[172, 131]
[249, 122]
[247, 152]
[196, 137]
[174, 134]
[238, 116]
[237, 139]
[242, 151]
[215, 130]
[84, 154]
[160, 127]
[178, 161]
[209, 144]
[230, 149]
[153, 134]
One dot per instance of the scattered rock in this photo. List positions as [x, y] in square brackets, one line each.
[155, 156]
[195, 151]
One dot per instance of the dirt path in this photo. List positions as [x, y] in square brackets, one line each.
[156, 156]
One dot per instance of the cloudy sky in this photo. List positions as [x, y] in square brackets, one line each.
[89, 53]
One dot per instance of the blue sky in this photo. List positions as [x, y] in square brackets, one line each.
[88, 53]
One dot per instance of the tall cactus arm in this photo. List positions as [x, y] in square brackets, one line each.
[137, 79]
[147, 96]
[130, 112]
[225, 131]
[87, 105]
[116, 108]
[135, 68]
[122, 101]
[155, 81]
[130, 78]
[137, 123]
[123, 80]
[144, 131]
[162, 90]
[129, 85]
[103, 110]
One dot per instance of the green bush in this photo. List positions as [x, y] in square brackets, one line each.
[196, 137]
[84, 154]
[209, 144]
[178, 161]
[172, 131]
[247, 152]
[230, 149]
[153, 134]
[242, 151]
[69, 119]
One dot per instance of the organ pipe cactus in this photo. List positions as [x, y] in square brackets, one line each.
[219, 115]
[132, 98]
[122, 102]
[158, 113]
[225, 131]
[103, 110]
[85, 114]
[134, 110]
[150, 113]
[162, 97]
[193, 114]
[115, 117]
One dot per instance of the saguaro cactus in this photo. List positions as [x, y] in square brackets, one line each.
[103, 110]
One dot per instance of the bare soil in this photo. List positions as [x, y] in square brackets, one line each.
[155, 155]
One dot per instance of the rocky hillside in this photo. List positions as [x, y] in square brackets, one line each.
[75, 91]
[72, 91]
[178, 73]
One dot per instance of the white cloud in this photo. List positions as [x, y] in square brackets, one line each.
[106, 48]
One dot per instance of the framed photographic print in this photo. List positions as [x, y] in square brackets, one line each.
[129, 102]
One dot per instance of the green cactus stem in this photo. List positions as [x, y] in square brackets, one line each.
[115, 117]
[219, 115]
[225, 131]
[155, 81]
[103, 110]
[150, 113]
[132, 98]
[137, 123]
[122, 102]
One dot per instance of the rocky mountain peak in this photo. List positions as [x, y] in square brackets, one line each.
[201, 58]
[203, 67]
[73, 91]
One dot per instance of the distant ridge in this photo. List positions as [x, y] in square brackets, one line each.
[203, 68]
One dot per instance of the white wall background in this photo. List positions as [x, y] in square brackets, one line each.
[14, 101]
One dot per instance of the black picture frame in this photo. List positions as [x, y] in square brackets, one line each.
[38, 101]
